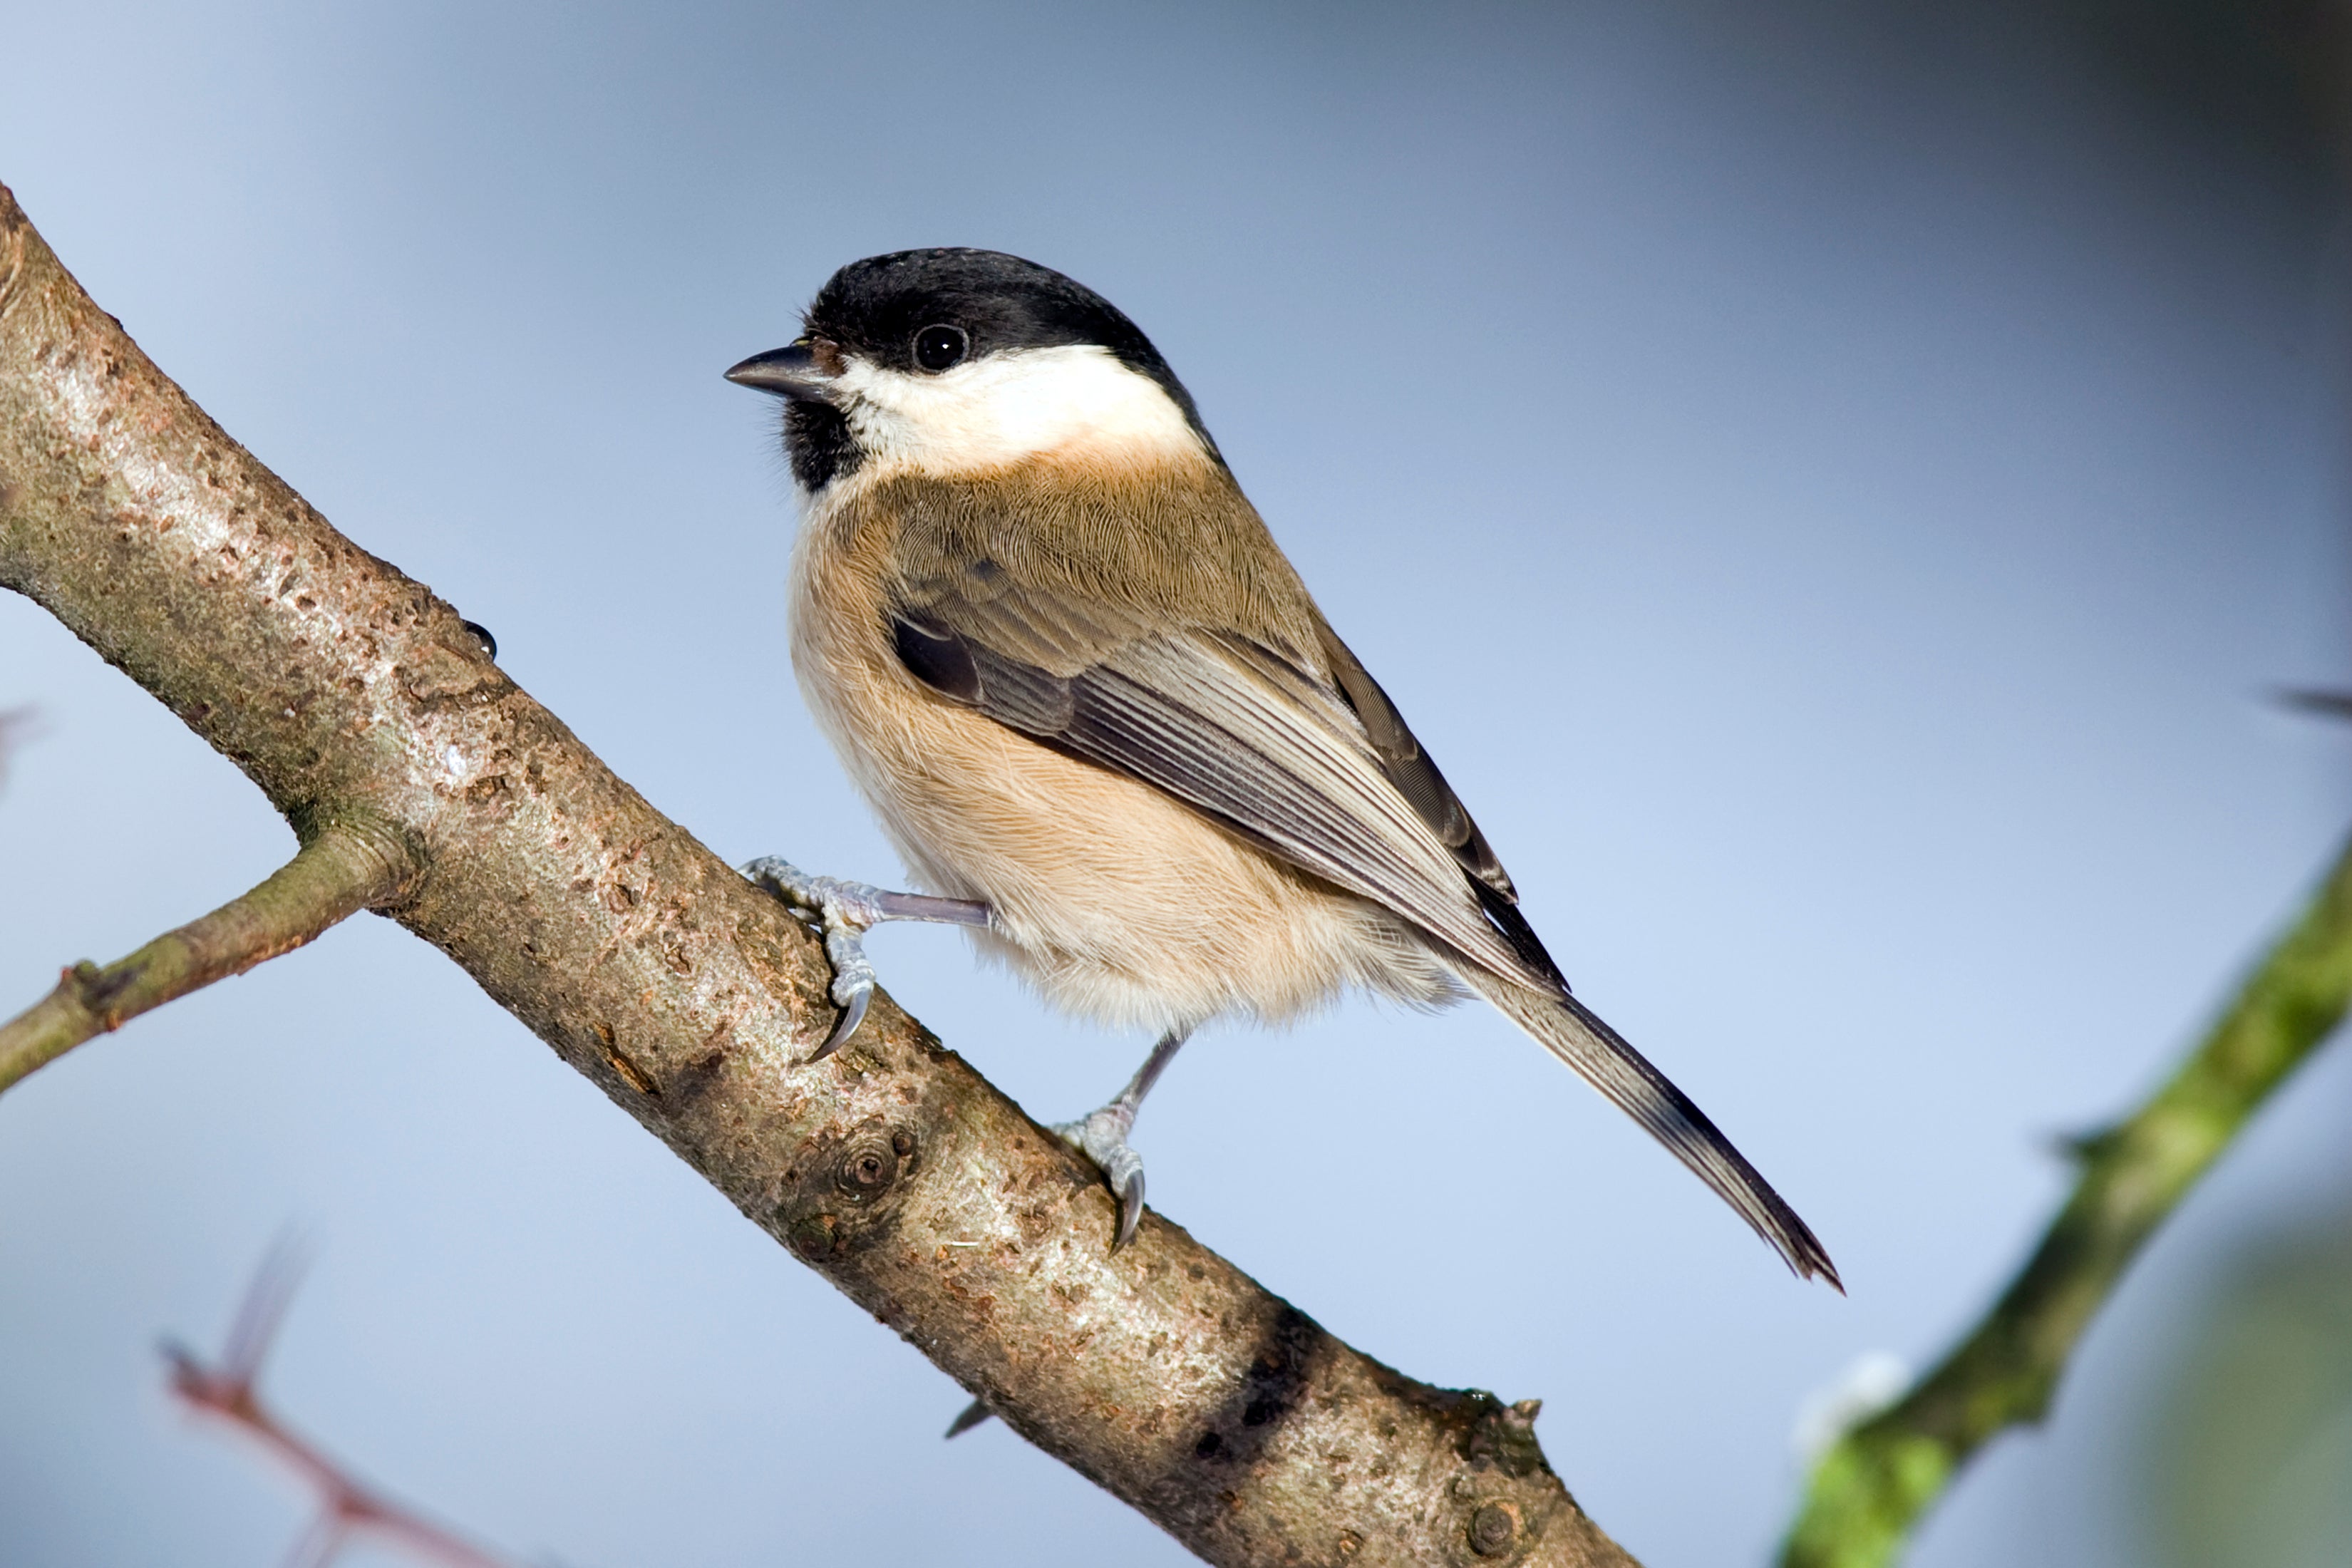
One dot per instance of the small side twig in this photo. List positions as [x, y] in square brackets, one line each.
[348, 1508]
[346, 689]
[1874, 1485]
[2327, 704]
[339, 873]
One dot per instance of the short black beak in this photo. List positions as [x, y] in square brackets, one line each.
[788, 372]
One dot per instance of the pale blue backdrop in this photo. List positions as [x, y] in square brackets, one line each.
[1835, 492]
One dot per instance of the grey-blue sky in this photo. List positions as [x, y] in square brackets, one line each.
[1831, 491]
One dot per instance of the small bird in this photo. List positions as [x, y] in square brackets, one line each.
[1104, 721]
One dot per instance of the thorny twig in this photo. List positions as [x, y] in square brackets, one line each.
[348, 1508]
[352, 695]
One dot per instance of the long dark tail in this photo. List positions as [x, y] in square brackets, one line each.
[1574, 1034]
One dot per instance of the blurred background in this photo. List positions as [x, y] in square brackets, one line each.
[1837, 490]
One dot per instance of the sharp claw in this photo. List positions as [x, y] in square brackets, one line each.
[973, 1414]
[853, 979]
[844, 910]
[1102, 1138]
[853, 1013]
[1130, 1210]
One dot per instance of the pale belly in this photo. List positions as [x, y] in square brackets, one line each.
[1114, 901]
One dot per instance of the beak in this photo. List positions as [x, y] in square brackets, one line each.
[789, 372]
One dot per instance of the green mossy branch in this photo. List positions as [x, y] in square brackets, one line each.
[340, 872]
[1869, 1491]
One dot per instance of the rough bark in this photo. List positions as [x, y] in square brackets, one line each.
[349, 693]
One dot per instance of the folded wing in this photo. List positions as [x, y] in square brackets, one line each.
[1316, 765]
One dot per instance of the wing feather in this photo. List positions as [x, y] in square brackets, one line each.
[1238, 732]
[1316, 765]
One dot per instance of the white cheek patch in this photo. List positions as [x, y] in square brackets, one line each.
[1077, 398]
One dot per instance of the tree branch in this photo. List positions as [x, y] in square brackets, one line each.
[348, 692]
[339, 873]
[1871, 1488]
[348, 1506]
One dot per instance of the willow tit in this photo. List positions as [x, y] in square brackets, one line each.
[1102, 718]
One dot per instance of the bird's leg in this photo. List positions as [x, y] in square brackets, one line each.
[1102, 1136]
[846, 911]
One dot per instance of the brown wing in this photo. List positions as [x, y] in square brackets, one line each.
[1250, 738]
[1323, 773]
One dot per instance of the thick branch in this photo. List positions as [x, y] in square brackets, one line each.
[339, 873]
[347, 691]
[1872, 1485]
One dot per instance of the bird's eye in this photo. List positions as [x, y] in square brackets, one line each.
[937, 348]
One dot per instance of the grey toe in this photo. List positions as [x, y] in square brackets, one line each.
[1102, 1138]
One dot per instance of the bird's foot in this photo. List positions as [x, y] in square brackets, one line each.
[844, 911]
[1102, 1138]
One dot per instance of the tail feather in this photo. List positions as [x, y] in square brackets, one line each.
[1601, 1057]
